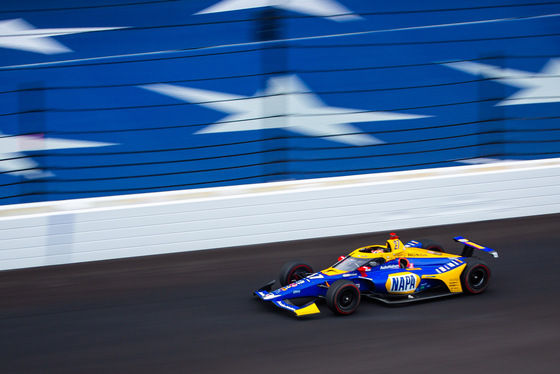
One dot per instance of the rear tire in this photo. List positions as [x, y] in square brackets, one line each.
[475, 277]
[294, 270]
[343, 297]
[430, 245]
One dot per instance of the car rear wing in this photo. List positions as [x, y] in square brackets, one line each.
[469, 247]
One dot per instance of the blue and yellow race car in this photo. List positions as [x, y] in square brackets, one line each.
[391, 273]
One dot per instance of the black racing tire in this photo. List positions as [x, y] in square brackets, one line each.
[294, 270]
[430, 245]
[343, 297]
[475, 277]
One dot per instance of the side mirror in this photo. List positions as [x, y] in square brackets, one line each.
[363, 269]
[341, 258]
[403, 263]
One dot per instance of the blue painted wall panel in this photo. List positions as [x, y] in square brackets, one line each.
[80, 114]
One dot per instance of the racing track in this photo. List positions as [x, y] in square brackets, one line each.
[194, 313]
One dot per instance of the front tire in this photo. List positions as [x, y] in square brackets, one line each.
[343, 297]
[475, 277]
[294, 270]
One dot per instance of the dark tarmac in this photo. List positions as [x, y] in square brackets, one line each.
[194, 313]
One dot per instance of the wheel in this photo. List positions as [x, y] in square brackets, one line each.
[475, 277]
[431, 245]
[294, 270]
[343, 297]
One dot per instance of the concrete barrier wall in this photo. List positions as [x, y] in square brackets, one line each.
[136, 225]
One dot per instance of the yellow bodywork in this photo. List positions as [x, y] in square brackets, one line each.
[310, 309]
[332, 271]
[395, 249]
[450, 278]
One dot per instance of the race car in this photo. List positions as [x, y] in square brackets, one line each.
[392, 273]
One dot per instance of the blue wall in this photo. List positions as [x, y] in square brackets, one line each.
[88, 72]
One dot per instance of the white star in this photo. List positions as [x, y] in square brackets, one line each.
[14, 162]
[18, 34]
[543, 87]
[321, 8]
[286, 104]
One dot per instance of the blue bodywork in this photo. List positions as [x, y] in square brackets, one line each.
[399, 280]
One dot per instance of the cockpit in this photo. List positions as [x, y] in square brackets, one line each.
[350, 263]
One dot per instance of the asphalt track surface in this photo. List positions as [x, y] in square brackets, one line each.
[194, 313]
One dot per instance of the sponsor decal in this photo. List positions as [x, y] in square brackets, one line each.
[417, 254]
[286, 288]
[402, 283]
[385, 267]
[295, 284]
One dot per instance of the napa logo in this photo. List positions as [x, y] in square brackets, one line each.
[402, 283]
